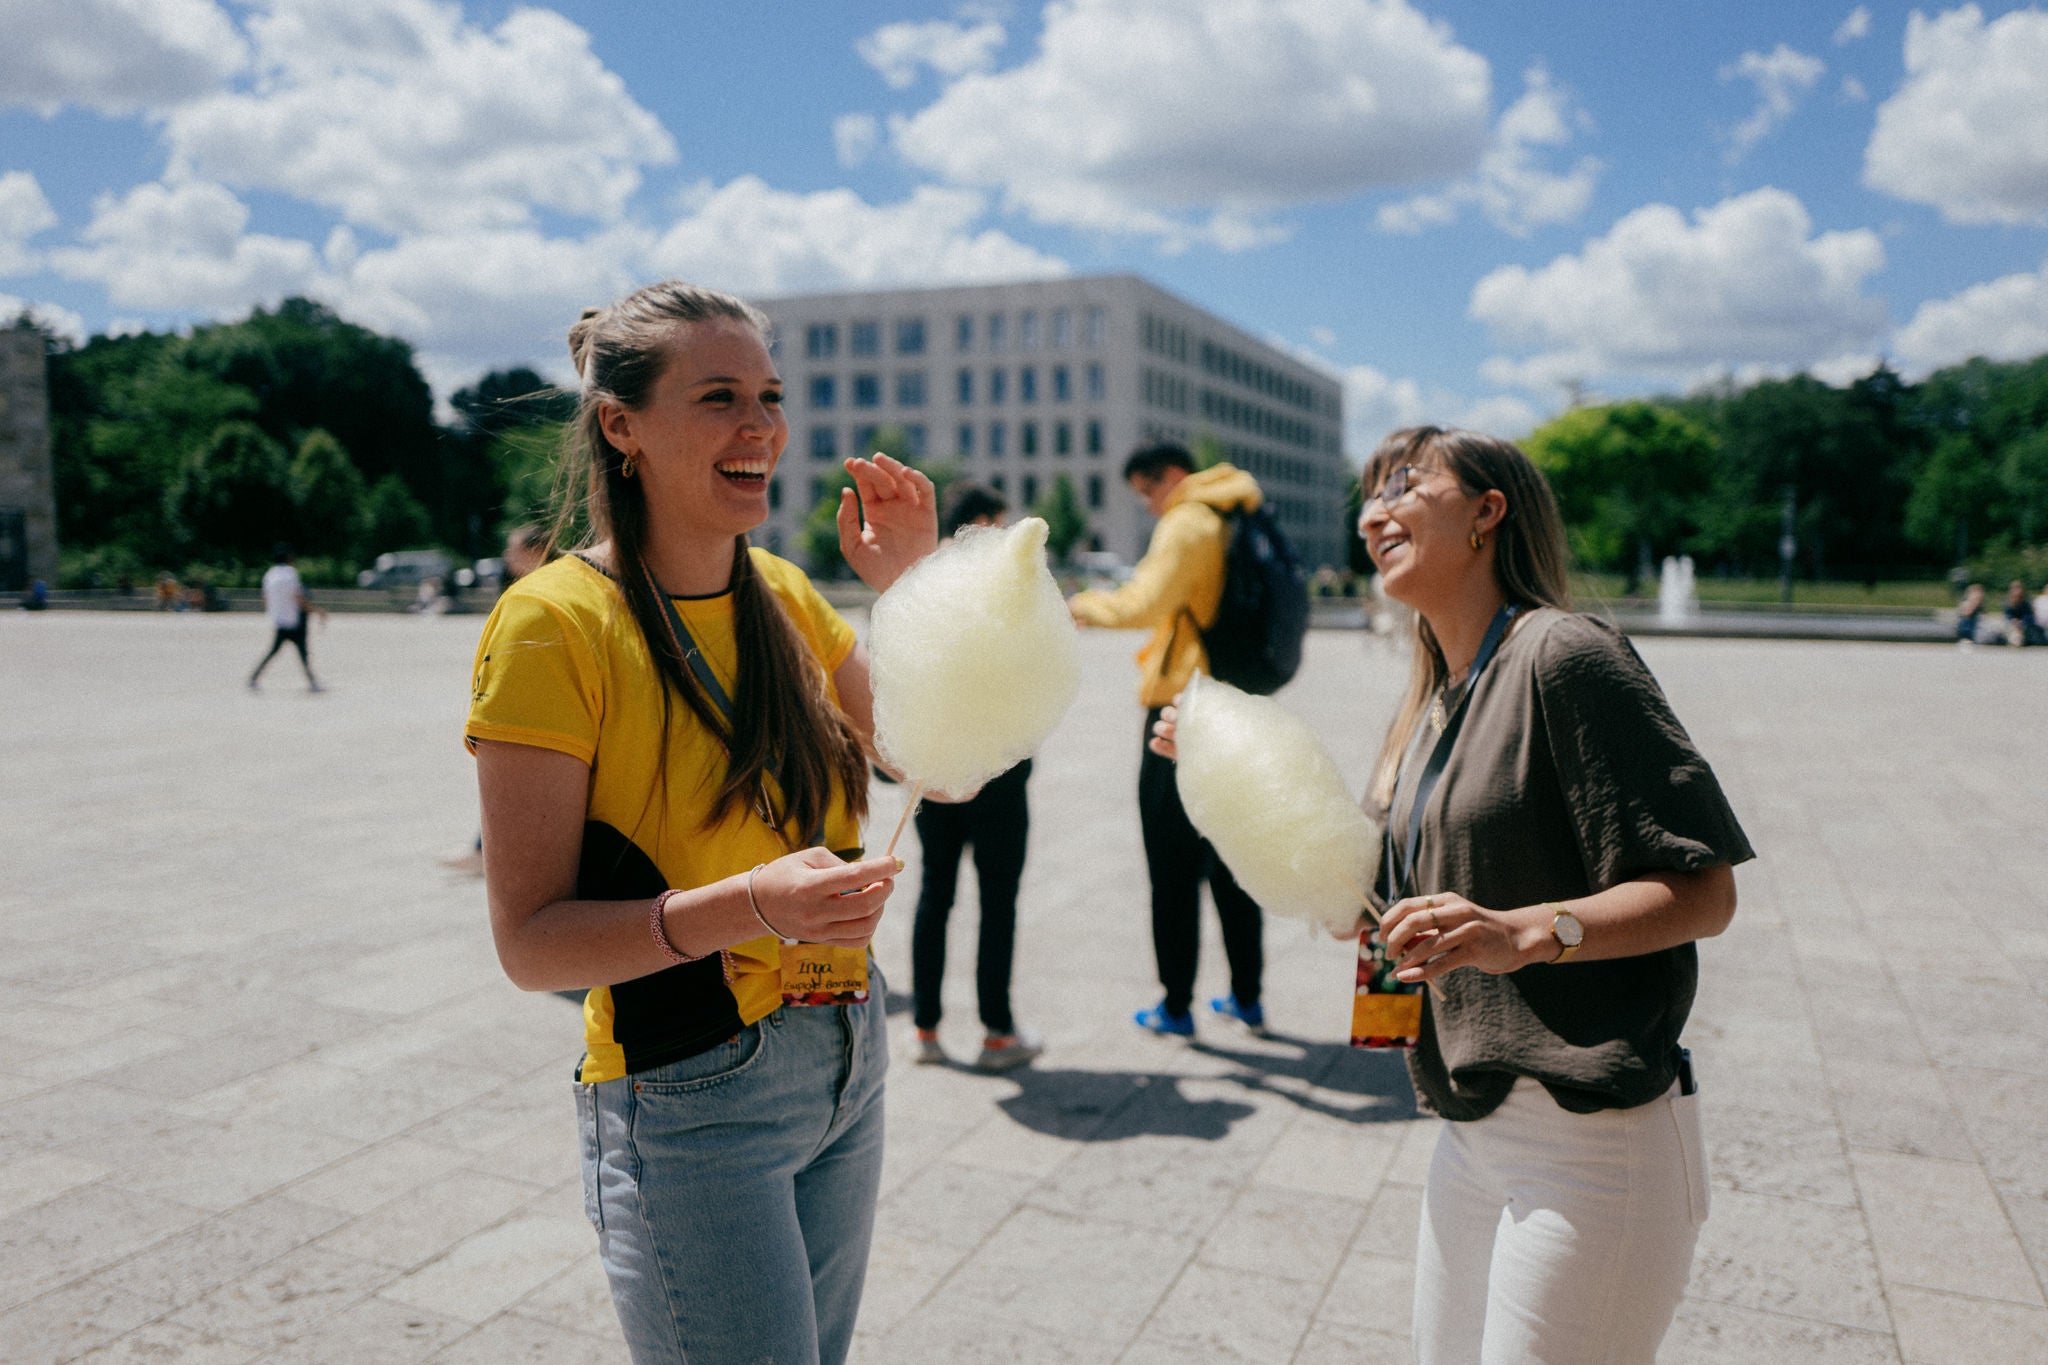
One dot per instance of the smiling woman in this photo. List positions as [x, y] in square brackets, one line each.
[696, 867]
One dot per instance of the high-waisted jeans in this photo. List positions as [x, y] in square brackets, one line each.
[734, 1191]
[1549, 1236]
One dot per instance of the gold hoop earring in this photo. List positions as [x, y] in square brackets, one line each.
[627, 467]
[1478, 541]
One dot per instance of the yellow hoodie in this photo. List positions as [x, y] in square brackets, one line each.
[1181, 576]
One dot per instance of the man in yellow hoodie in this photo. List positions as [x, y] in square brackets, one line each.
[1174, 591]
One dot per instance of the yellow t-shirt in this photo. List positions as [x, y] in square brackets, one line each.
[562, 665]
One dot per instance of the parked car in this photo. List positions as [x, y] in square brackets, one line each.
[403, 571]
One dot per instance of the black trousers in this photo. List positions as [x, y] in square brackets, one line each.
[292, 635]
[995, 823]
[1179, 859]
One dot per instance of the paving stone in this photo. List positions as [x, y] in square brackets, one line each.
[1951, 1329]
[415, 1227]
[1213, 1313]
[1328, 1343]
[1789, 1256]
[78, 1232]
[67, 1323]
[1372, 1293]
[285, 1300]
[1938, 1225]
[1283, 1234]
[373, 1332]
[491, 1270]
[513, 1340]
[577, 1299]
[1096, 1280]
[1719, 1334]
[180, 1269]
[163, 1341]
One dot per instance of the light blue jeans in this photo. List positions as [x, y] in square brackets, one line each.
[734, 1192]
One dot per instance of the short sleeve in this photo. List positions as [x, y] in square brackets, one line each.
[536, 681]
[817, 620]
[1640, 796]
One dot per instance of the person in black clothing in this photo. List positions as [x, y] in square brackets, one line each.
[994, 822]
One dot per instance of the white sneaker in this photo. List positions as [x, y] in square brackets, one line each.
[1006, 1053]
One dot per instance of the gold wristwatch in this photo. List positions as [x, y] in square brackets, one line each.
[1566, 929]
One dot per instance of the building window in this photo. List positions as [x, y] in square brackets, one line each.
[1095, 438]
[1096, 387]
[867, 338]
[824, 443]
[996, 332]
[824, 391]
[910, 336]
[1027, 385]
[910, 389]
[1030, 490]
[998, 386]
[1062, 388]
[914, 440]
[964, 439]
[864, 439]
[997, 440]
[965, 387]
[821, 340]
[1091, 328]
[995, 481]
[1062, 439]
[1027, 331]
[867, 390]
[1062, 329]
[1030, 439]
[1095, 490]
[963, 333]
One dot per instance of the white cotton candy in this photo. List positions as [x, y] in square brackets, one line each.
[974, 658]
[1262, 789]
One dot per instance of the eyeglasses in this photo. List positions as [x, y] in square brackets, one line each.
[1398, 485]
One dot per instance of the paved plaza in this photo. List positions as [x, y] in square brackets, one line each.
[264, 1094]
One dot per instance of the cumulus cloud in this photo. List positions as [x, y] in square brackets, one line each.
[1376, 403]
[1745, 282]
[1853, 91]
[24, 212]
[2002, 319]
[115, 56]
[753, 238]
[899, 51]
[1781, 76]
[1193, 122]
[401, 116]
[53, 318]
[1855, 25]
[855, 137]
[185, 248]
[1514, 192]
[1964, 131]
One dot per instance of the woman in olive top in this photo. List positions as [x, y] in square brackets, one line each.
[1556, 845]
[671, 733]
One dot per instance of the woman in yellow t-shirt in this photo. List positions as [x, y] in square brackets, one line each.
[672, 733]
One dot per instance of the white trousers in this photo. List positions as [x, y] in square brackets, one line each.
[1549, 1236]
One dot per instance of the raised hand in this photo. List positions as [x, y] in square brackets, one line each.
[893, 523]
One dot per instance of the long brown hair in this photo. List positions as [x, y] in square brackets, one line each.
[1530, 560]
[784, 724]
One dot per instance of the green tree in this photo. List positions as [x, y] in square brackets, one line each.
[1066, 522]
[332, 499]
[233, 499]
[819, 538]
[395, 520]
[1628, 479]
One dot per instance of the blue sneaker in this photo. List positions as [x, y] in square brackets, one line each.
[1252, 1017]
[1159, 1020]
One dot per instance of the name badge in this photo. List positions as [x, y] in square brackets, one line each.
[822, 974]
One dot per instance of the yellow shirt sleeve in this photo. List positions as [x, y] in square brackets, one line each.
[537, 680]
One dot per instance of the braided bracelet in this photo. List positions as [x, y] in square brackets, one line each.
[755, 905]
[661, 939]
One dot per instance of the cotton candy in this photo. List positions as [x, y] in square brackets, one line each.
[1262, 789]
[974, 658]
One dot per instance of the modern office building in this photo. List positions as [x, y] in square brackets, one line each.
[1021, 383]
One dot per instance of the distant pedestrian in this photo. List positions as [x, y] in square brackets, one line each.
[285, 603]
[995, 822]
[1175, 592]
[1967, 611]
[2020, 627]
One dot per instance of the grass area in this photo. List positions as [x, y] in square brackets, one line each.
[1929, 594]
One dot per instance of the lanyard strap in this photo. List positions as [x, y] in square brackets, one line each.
[1441, 755]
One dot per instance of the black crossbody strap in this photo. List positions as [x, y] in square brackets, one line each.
[1441, 754]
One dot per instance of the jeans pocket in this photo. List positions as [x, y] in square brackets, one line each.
[1685, 1114]
[586, 1126]
[712, 1067]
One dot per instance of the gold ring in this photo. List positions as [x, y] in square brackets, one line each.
[1429, 902]
[1433, 924]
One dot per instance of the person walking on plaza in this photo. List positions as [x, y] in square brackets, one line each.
[1174, 591]
[672, 735]
[285, 602]
[995, 821]
[1555, 847]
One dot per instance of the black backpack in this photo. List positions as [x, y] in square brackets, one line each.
[1254, 644]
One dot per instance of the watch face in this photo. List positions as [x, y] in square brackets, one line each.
[1568, 930]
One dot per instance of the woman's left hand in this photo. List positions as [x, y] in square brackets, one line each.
[893, 523]
[1427, 936]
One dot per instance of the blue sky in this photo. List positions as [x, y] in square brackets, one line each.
[1467, 210]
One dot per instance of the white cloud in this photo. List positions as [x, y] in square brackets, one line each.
[1853, 91]
[855, 137]
[1376, 403]
[401, 116]
[115, 56]
[1965, 132]
[1745, 282]
[53, 318]
[184, 248]
[1855, 25]
[24, 212]
[752, 238]
[1191, 122]
[898, 51]
[1781, 77]
[2002, 319]
[1510, 188]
